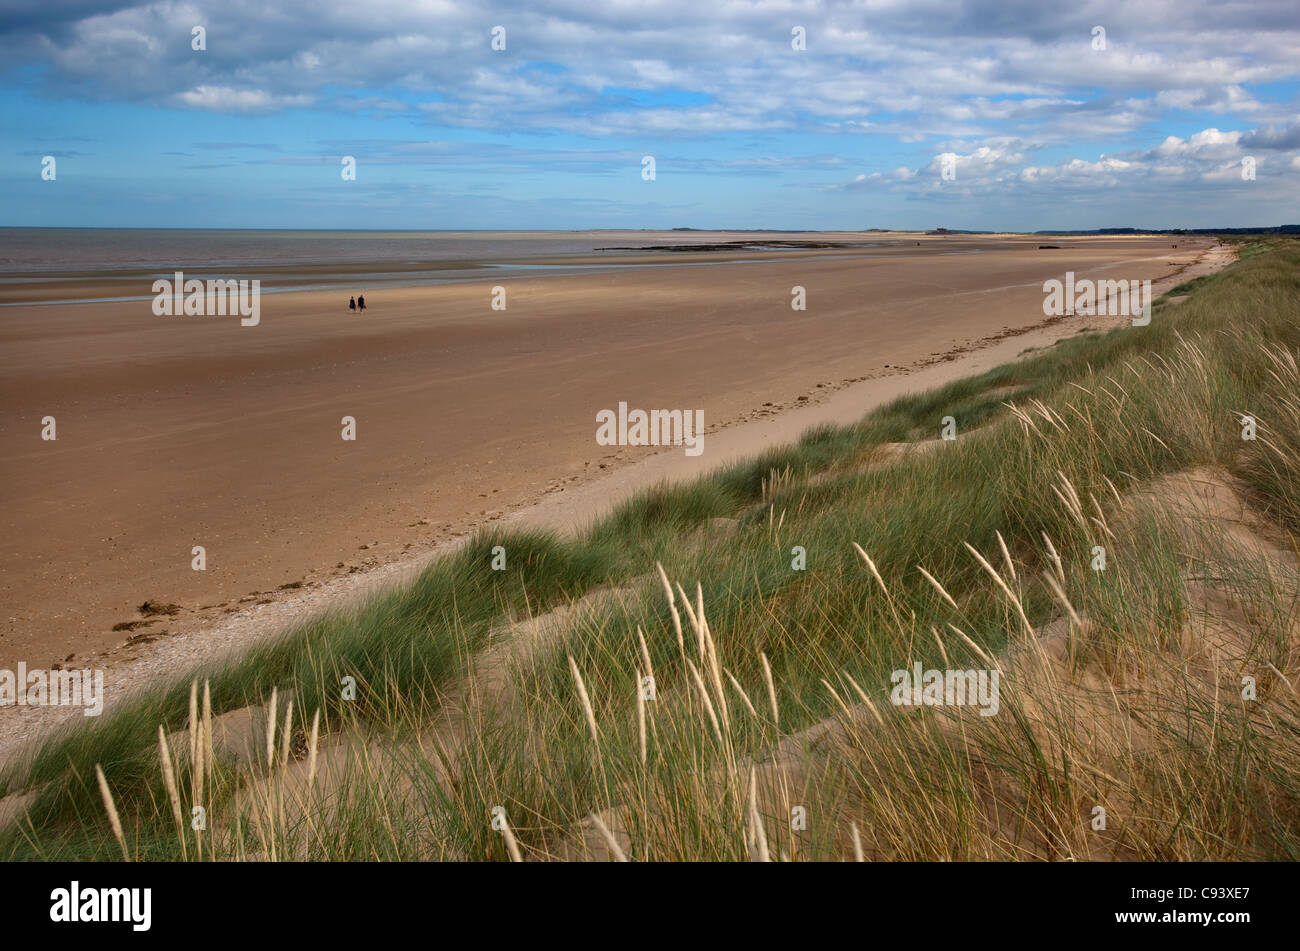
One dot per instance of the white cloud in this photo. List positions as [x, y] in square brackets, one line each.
[1210, 156]
[226, 99]
[911, 70]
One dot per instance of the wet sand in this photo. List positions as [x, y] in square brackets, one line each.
[183, 431]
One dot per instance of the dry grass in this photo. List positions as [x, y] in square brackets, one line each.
[723, 704]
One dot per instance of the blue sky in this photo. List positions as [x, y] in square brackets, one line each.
[1039, 126]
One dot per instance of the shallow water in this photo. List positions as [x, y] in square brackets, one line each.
[78, 258]
[28, 250]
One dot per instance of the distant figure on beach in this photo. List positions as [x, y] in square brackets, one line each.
[361, 303]
[352, 303]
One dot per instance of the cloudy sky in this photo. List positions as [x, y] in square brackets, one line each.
[1041, 120]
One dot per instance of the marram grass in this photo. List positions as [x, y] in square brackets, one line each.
[660, 688]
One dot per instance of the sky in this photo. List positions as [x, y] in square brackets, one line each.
[1015, 116]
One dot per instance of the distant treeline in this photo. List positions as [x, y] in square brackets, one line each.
[1278, 229]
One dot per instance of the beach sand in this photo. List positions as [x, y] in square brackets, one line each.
[184, 431]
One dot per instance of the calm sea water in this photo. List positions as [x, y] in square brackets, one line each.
[27, 250]
[98, 264]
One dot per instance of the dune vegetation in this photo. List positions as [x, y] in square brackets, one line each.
[706, 673]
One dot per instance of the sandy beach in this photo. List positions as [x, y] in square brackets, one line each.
[177, 432]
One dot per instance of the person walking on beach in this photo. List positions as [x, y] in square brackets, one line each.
[352, 303]
[361, 303]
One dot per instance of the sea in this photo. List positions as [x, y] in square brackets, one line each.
[116, 261]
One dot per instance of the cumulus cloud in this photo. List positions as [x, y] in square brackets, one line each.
[228, 99]
[1209, 157]
[915, 69]
[1105, 171]
[1272, 137]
